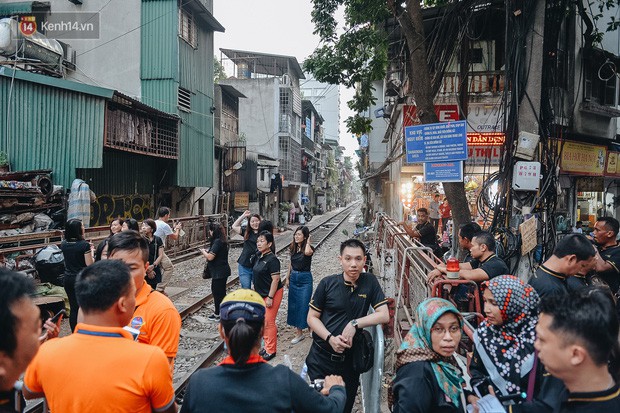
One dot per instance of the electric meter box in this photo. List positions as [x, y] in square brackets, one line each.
[526, 176]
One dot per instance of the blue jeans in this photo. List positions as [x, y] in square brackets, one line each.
[245, 276]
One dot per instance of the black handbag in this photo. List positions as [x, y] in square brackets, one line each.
[206, 272]
[362, 349]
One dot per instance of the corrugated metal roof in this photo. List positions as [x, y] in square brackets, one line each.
[57, 83]
[201, 10]
[270, 64]
[56, 126]
[23, 7]
[231, 91]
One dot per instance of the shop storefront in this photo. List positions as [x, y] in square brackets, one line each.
[589, 178]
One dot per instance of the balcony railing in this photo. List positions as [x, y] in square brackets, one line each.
[307, 144]
[479, 82]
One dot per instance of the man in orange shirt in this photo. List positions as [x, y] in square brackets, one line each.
[100, 367]
[156, 318]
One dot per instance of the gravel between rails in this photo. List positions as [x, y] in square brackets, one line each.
[198, 335]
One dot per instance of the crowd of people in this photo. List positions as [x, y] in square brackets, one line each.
[546, 345]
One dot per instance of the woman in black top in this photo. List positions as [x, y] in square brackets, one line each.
[266, 276]
[243, 382]
[249, 245]
[156, 252]
[78, 255]
[299, 282]
[217, 255]
[130, 224]
[102, 249]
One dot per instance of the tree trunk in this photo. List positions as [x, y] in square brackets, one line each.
[420, 78]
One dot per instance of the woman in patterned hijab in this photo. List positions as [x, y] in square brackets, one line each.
[428, 378]
[504, 342]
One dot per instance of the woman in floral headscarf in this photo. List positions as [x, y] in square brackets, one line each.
[428, 378]
[504, 342]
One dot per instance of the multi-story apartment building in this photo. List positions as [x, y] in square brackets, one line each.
[270, 121]
[159, 53]
[579, 107]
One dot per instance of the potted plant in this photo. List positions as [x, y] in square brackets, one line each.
[4, 162]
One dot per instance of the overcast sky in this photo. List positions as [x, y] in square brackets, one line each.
[278, 27]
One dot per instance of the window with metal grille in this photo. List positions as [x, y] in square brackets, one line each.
[133, 130]
[187, 27]
[184, 100]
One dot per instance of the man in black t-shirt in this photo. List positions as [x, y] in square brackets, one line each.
[484, 264]
[424, 231]
[608, 262]
[573, 255]
[575, 340]
[332, 329]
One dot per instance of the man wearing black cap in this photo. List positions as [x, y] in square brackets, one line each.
[332, 327]
[244, 381]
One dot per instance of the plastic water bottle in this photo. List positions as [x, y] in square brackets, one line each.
[287, 362]
[304, 372]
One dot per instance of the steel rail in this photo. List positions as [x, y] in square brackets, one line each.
[214, 354]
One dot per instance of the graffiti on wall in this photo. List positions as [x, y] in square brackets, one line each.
[109, 207]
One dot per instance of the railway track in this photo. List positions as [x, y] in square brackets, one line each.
[320, 233]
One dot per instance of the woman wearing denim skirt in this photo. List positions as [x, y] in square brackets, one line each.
[299, 282]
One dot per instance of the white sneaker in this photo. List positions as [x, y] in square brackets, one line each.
[297, 339]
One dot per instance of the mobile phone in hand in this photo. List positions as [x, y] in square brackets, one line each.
[57, 315]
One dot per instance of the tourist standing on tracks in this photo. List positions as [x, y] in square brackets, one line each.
[164, 232]
[156, 252]
[243, 382]
[299, 282]
[78, 255]
[20, 324]
[100, 367]
[101, 253]
[130, 224]
[267, 284]
[250, 234]
[428, 378]
[352, 291]
[217, 257]
[504, 341]
[156, 318]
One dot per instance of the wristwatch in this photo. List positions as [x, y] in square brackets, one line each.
[354, 323]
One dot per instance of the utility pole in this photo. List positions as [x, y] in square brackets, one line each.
[529, 108]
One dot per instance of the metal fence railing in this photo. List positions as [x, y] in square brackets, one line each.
[371, 382]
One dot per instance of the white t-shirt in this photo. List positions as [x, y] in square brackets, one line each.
[163, 230]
